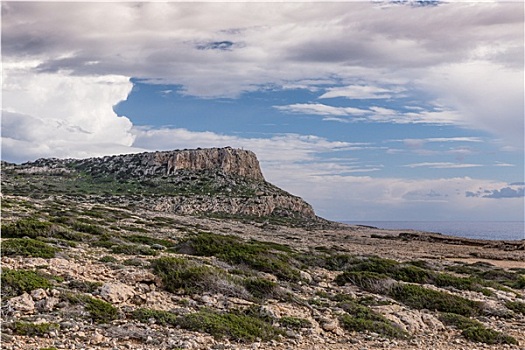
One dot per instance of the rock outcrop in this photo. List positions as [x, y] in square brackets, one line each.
[228, 160]
[197, 181]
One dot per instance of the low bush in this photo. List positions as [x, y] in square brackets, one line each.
[261, 288]
[232, 325]
[99, 310]
[458, 321]
[29, 227]
[487, 336]
[162, 318]
[16, 282]
[516, 306]
[360, 318]
[369, 281]
[419, 297]
[462, 283]
[362, 272]
[139, 239]
[88, 228]
[261, 256]
[33, 329]
[475, 331]
[28, 247]
[182, 275]
[84, 286]
[294, 322]
[108, 259]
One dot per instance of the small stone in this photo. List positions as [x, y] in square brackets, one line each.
[306, 276]
[38, 294]
[47, 304]
[23, 303]
[329, 326]
[116, 292]
[97, 338]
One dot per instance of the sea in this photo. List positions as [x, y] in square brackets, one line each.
[500, 230]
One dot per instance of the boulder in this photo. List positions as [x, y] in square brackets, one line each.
[116, 292]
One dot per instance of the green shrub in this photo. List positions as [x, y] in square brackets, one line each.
[369, 281]
[149, 240]
[16, 282]
[178, 274]
[475, 331]
[410, 273]
[88, 228]
[27, 247]
[29, 227]
[458, 321]
[419, 297]
[360, 318]
[99, 310]
[33, 329]
[261, 256]
[487, 336]
[232, 325]
[462, 283]
[337, 262]
[294, 322]
[163, 318]
[516, 306]
[133, 262]
[261, 288]
[108, 259]
[84, 286]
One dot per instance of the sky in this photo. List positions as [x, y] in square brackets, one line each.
[379, 110]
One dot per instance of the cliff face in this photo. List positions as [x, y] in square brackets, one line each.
[222, 181]
[227, 160]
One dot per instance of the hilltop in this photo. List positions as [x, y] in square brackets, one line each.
[220, 182]
[194, 249]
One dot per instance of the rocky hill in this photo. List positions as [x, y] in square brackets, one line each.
[99, 254]
[217, 181]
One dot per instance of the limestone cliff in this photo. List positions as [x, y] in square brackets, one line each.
[227, 160]
[223, 181]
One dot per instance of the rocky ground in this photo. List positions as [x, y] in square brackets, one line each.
[78, 275]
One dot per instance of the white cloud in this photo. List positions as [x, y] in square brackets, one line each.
[299, 148]
[368, 198]
[374, 114]
[321, 109]
[58, 115]
[442, 165]
[472, 65]
[487, 96]
[361, 92]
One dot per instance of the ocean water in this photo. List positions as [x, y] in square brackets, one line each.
[503, 230]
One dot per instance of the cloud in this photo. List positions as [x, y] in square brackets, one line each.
[361, 92]
[472, 66]
[299, 148]
[514, 190]
[321, 109]
[442, 165]
[57, 115]
[373, 114]
[487, 96]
